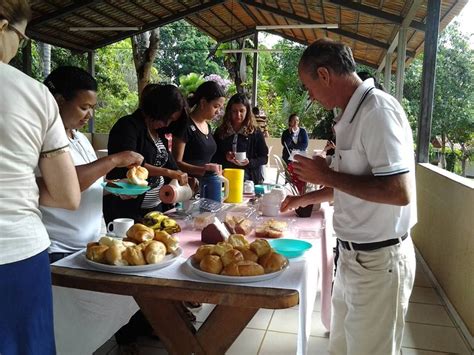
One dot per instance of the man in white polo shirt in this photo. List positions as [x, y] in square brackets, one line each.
[373, 188]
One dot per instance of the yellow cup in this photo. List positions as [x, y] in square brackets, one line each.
[236, 185]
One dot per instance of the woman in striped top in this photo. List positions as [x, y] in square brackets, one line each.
[142, 132]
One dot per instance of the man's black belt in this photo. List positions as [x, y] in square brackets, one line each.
[371, 246]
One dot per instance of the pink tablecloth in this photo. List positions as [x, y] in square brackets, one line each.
[316, 230]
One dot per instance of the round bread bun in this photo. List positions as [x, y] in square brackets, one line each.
[243, 268]
[134, 256]
[211, 264]
[221, 247]
[248, 254]
[260, 247]
[272, 262]
[113, 255]
[249, 268]
[140, 233]
[155, 252]
[137, 175]
[169, 241]
[96, 252]
[202, 251]
[231, 256]
[238, 240]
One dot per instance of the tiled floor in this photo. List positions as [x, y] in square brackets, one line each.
[429, 330]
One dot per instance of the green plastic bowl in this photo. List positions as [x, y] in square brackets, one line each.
[291, 248]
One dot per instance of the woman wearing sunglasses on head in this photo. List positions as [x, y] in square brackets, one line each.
[31, 136]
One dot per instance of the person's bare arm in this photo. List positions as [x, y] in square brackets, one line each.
[313, 197]
[172, 174]
[89, 173]
[59, 186]
[392, 190]
[178, 153]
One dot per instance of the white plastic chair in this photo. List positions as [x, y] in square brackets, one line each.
[281, 170]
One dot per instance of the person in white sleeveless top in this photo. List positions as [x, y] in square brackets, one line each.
[75, 91]
[31, 136]
[373, 188]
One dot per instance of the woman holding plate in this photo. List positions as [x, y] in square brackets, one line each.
[75, 91]
[240, 142]
[143, 132]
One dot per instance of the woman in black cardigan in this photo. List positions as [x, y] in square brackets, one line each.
[142, 132]
[293, 138]
[239, 132]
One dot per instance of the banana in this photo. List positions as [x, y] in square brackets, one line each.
[160, 222]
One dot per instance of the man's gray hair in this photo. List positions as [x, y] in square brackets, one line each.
[330, 54]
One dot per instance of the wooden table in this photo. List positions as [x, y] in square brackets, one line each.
[160, 301]
[160, 298]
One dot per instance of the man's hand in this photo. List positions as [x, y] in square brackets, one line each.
[126, 158]
[291, 203]
[314, 170]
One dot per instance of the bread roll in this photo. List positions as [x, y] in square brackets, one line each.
[140, 233]
[272, 262]
[238, 240]
[137, 175]
[248, 254]
[109, 241]
[231, 270]
[134, 256]
[260, 247]
[96, 252]
[155, 252]
[211, 264]
[170, 242]
[221, 248]
[271, 229]
[231, 256]
[113, 255]
[202, 251]
[243, 268]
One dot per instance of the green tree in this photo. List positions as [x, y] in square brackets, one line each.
[182, 50]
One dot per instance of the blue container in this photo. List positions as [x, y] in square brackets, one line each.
[211, 186]
[291, 248]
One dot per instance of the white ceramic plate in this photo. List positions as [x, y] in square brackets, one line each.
[168, 260]
[233, 279]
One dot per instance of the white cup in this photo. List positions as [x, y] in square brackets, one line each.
[240, 156]
[270, 210]
[249, 187]
[120, 226]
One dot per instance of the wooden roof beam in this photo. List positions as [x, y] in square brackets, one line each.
[62, 12]
[236, 35]
[304, 20]
[408, 19]
[420, 26]
[161, 22]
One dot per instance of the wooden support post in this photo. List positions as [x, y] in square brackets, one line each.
[91, 70]
[401, 57]
[255, 71]
[428, 80]
[388, 72]
[27, 59]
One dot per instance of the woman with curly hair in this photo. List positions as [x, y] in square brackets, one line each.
[239, 132]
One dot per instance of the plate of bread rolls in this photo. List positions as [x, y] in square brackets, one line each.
[238, 261]
[143, 250]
